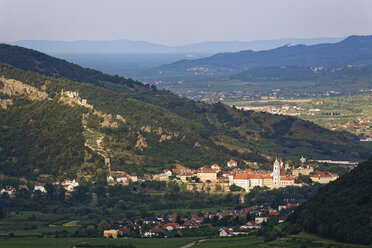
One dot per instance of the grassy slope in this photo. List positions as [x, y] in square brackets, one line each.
[342, 209]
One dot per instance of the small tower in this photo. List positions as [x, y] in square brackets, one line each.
[276, 174]
[303, 159]
[286, 167]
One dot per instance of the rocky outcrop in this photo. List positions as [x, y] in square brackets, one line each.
[13, 87]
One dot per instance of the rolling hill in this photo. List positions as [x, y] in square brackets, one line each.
[60, 119]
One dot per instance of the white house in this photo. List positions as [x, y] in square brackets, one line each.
[259, 220]
[232, 163]
[73, 183]
[40, 187]
[133, 177]
[168, 172]
[226, 232]
[122, 178]
[110, 179]
[70, 185]
[10, 190]
[242, 180]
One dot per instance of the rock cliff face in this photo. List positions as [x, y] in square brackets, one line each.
[14, 87]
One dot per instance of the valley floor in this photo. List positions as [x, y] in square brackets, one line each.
[344, 113]
[291, 241]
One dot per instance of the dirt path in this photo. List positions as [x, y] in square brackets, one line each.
[192, 243]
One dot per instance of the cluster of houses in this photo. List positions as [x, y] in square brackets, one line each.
[282, 175]
[359, 124]
[68, 185]
[282, 110]
[168, 225]
[10, 190]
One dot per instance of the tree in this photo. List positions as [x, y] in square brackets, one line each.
[103, 225]
[234, 187]
[303, 179]
[2, 212]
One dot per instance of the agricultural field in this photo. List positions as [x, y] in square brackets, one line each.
[93, 242]
[345, 113]
[291, 241]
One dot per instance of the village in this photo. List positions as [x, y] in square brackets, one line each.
[213, 179]
[172, 225]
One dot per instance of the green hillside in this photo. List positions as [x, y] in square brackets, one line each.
[140, 128]
[341, 210]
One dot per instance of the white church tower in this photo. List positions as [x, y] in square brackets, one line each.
[276, 174]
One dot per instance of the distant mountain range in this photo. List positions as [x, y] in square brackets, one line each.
[350, 51]
[128, 46]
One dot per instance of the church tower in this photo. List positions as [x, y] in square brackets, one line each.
[276, 174]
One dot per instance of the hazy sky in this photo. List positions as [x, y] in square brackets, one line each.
[176, 22]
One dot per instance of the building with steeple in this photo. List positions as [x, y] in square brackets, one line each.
[276, 174]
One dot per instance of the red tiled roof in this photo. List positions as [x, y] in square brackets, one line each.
[247, 176]
[157, 230]
[325, 175]
[23, 187]
[286, 178]
[124, 230]
[241, 177]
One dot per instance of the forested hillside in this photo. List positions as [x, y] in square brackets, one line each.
[140, 128]
[341, 210]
